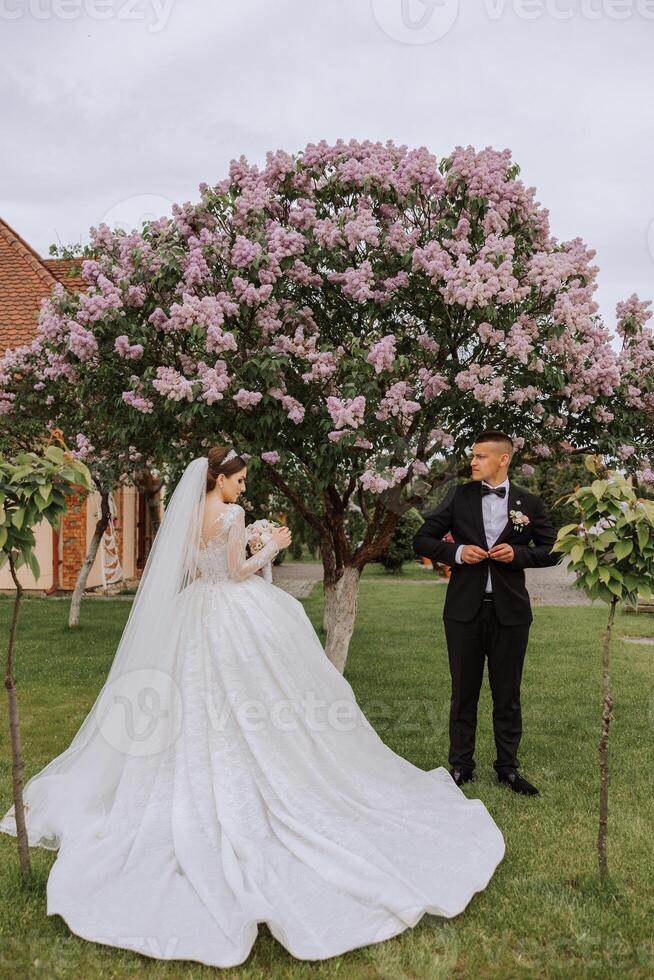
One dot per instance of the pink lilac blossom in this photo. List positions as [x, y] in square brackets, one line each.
[213, 381]
[247, 399]
[489, 334]
[428, 343]
[328, 234]
[294, 410]
[632, 310]
[382, 354]
[521, 395]
[602, 414]
[81, 342]
[59, 367]
[356, 282]
[84, 447]
[141, 404]
[245, 252]
[625, 451]
[347, 412]
[442, 438]
[129, 351]
[195, 267]
[303, 275]
[395, 404]
[473, 378]
[248, 293]
[189, 364]
[173, 385]
[432, 384]
[324, 365]
[271, 457]
[373, 482]
[361, 229]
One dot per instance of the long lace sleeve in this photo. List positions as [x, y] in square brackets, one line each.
[239, 566]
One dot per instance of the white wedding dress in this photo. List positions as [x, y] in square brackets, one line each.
[275, 801]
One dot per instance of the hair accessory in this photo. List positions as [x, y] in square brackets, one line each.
[230, 455]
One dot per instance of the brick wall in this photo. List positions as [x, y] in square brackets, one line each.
[73, 536]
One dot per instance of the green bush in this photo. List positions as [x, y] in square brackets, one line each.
[400, 548]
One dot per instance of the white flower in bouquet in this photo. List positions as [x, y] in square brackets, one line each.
[259, 533]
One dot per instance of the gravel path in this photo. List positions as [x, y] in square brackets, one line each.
[546, 586]
[554, 586]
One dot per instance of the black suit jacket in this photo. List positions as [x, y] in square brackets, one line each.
[461, 514]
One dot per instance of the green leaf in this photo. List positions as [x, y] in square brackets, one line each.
[33, 563]
[56, 454]
[577, 553]
[623, 548]
[598, 487]
[643, 536]
[590, 561]
[604, 574]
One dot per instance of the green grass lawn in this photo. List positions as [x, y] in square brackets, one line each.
[543, 913]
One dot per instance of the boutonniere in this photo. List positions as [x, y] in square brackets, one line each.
[518, 519]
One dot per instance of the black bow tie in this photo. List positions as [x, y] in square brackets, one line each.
[500, 491]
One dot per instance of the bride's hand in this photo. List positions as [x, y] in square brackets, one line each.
[282, 536]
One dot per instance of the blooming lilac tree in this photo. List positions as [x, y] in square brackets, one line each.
[67, 405]
[346, 316]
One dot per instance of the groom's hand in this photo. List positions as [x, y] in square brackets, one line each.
[501, 552]
[472, 554]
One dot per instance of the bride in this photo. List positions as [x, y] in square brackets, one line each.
[225, 775]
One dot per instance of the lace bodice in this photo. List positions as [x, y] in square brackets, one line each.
[222, 557]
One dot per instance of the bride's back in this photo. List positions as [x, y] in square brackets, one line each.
[211, 518]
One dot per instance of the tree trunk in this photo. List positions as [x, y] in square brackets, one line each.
[342, 616]
[17, 764]
[87, 565]
[153, 509]
[330, 591]
[607, 714]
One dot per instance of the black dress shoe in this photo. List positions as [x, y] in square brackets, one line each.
[461, 777]
[517, 783]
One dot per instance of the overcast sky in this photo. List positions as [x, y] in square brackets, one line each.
[113, 109]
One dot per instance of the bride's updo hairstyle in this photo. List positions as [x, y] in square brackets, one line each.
[216, 457]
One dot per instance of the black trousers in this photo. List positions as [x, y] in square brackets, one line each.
[468, 645]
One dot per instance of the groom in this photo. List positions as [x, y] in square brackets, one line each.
[487, 612]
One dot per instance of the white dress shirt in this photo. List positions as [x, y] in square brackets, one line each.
[496, 513]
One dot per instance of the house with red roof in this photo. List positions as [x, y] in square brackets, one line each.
[25, 280]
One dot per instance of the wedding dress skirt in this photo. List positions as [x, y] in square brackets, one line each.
[274, 802]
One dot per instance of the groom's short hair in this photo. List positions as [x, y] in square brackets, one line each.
[495, 435]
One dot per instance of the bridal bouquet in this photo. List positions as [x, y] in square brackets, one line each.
[259, 533]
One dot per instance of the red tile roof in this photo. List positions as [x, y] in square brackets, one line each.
[25, 279]
[68, 271]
